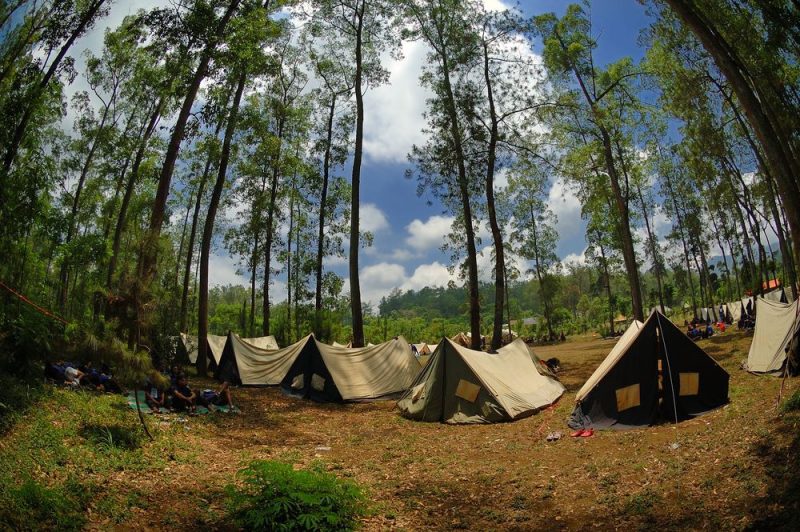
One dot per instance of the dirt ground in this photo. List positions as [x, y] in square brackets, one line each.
[730, 469]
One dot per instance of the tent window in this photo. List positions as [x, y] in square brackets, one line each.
[689, 384]
[628, 397]
[297, 382]
[318, 382]
[467, 390]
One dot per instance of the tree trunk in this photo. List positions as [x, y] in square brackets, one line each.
[126, 199]
[273, 196]
[171, 156]
[497, 237]
[548, 315]
[355, 287]
[201, 188]
[323, 201]
[289, 237]
[208, 230]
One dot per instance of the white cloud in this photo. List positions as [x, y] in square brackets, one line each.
[372, 218]
[434, 274]
[565, 205]
[222, 271]
[575, 258]
[424, 236]
[393, 112]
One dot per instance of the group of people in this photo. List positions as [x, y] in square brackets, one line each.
[697, 329]
[82, 375]
[180, 397]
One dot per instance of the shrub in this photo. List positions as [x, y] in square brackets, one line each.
[792, 403]
[275, 496]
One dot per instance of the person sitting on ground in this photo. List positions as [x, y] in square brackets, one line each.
[183, 397]
[721, 326]
[222, 397]
[563, 337]
[708, 331]
[154, 396]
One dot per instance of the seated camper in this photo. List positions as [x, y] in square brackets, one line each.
[73, 376]
[216, 398]
[183, 397]
[708, 331]
[155, 396]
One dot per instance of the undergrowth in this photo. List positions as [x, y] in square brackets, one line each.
[275, 496]
[58, 449]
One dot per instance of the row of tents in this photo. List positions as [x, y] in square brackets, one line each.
[654, 372]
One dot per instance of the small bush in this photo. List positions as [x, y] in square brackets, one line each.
[276, 497]
[792, 403]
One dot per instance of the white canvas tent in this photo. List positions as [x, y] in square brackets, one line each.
[328, 373]
[245, 363]
[734, 308]
[262, 342]
[460, 385]
[216, 344]
[776, 296]
[776, 323]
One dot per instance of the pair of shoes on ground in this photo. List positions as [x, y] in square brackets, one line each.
[582, 433]
[553, 436]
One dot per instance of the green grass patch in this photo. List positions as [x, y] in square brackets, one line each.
[59, 447]
[275, 496]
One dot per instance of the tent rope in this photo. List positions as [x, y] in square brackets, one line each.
[38, 308]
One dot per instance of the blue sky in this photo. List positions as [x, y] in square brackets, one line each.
[408, 232]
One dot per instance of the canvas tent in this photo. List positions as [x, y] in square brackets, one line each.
[422, 348]
[216, 344]
[245, 363]
[460, 385]
[653, 372]
[735, 309]
[462, 339]
[262, 342]
[777, 296]
[776, 324]
[327, 373]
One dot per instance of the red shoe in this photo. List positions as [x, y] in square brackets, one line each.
[588, 433]
[577, 433]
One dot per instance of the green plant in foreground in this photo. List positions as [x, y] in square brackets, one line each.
[274, 496]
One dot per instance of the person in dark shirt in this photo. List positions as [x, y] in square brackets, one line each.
[183, 397]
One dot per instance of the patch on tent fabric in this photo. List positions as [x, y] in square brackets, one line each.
[318, 382]
[298, 382]
[628, 397]
[467, 390]
[418, 392]
[689, 384]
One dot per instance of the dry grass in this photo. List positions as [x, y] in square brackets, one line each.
[731, 469]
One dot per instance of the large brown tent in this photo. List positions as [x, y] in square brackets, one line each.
[654, 372]
[460, 385]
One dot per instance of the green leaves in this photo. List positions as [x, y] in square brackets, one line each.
[275, 496]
